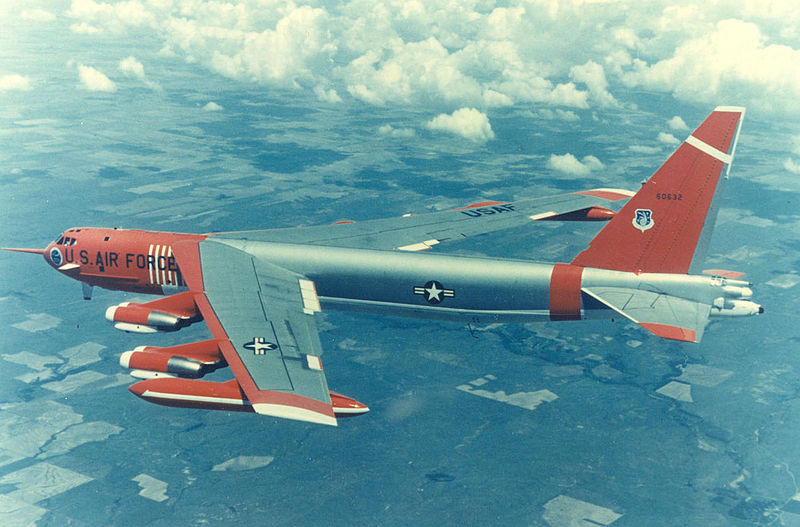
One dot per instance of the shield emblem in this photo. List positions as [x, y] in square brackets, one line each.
[643, 219]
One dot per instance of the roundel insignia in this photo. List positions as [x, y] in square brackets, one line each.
[643, 219]
[434, 292]
[55, 257]
[260, 346]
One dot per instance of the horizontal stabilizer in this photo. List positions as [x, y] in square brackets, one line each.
[669, 317]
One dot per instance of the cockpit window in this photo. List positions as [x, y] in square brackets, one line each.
[67, 241]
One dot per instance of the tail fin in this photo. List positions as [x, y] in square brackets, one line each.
[666, 225]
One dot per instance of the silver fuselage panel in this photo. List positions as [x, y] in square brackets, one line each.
[438, 286]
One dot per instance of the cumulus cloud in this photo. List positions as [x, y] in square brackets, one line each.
[439, 55]
[677, 124]
[466, 122]
[134, 69]
[14, 82]
[735, 60]
[667, 139]
[559, 114]
[327, 95]
[434, 54]
[95, 80]
[569, 164]
[212, 107]
[643, 149]
[594, 77]
[84, 29]
[791, 165]
[38, 15]
[391, 131]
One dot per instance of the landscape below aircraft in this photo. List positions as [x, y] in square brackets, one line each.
[258, 291]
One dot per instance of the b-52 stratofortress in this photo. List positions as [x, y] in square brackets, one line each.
[258, 291]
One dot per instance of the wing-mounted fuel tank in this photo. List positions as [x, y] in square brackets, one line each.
[227, 396]
[166, 314]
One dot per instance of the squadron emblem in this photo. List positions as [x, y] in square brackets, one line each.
[55, 257]
[643, 219]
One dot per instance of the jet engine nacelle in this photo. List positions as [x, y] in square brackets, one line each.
[735, 308]
[173, 365]
[136, 318]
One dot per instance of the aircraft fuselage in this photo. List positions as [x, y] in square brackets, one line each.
[434, 286]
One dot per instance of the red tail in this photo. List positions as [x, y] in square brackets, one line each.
[665, 227]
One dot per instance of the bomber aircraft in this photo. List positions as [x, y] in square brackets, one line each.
[258, 291]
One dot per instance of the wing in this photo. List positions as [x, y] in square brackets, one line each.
[667, 316]
[420, 232]
[263, 316]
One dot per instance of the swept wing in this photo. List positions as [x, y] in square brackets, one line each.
[262, 314]
[414, 233]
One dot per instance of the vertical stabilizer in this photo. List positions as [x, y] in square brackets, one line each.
[666, 225]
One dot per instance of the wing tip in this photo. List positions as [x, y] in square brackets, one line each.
[611, 194]
[295, 412]
[670, 332]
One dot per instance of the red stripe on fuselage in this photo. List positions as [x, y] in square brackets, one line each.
[565, 292]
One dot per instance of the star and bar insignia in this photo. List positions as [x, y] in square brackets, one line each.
[434, 292]
[260, 346]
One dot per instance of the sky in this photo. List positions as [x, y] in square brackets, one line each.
[191, 116]
[452, 68]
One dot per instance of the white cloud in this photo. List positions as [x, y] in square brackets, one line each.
[391, 131]
[791, 165]
[642, 149]
[734, 61]
[667, 139]
[330, 95]
[562, 115]
[466, 122]
[677, 124]
[84, 29]
[438, 54]
[212, 107]
[94, 80]
[569, 164]
[594, 77]
[14, 82]
[38, 15]
[132, 68]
